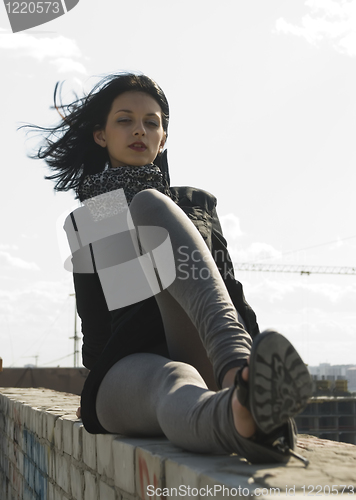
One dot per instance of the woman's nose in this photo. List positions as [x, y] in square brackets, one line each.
[139, 129]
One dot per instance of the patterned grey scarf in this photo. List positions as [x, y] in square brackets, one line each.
[131, 179]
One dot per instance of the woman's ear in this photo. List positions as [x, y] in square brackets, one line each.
[163, 142]
[99, 137]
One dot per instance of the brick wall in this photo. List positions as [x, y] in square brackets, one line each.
[46, 454]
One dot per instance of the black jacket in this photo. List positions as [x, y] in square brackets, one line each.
[99, 324]
[108, 336]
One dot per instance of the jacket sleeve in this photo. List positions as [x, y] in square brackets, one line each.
[200, 207]
[94, 315]
[226, 267]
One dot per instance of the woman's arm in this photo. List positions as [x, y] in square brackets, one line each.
[94, 314]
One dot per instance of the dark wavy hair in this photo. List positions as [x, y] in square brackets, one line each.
[70, 150]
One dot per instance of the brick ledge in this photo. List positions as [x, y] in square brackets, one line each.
[46, 453]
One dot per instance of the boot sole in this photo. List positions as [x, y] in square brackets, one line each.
[279, 381]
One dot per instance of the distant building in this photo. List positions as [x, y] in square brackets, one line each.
[331, 412]
[329, 418]
[351, 378]
[326, 371]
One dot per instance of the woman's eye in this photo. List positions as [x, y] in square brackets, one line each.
[128, 120]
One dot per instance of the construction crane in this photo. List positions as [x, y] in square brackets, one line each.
[286, 268]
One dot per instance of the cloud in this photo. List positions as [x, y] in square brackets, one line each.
[291, 294]
[8, 247]
[231, 226]
[316, 315]
[17, 262]
[60, 51]
[332, 20]
[318, 336]
[42, 297]
[37, 318]
[66, 65]
[255, 252]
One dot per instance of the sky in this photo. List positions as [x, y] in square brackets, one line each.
[263, 115]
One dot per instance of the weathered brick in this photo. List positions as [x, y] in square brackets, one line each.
[104, 454]
[89, 449]
[2, 485]
[2, 422]
[44, 427]
[77, 482]
[18, 486]
[31, 475]
[10, 470]
[28, 443]
[77, 440]
[57, 494]
[40, 484]
[67, 435]
[27, 493]
[90, 491]
[10, 408]
[124, 464]
[18, 435]
[149, 471]
[10, 450]
[52, 457]
[35, 415]
[4, 447]
[62, 473]
[50, 422]
[50, 491]
[127, 496]
[9, 427]
[25, 469]
[11, 494]
[43, 456]
[57, 433]
[106, 492]
[38, 430]
[27, 417]
[183, 473]
[19, 461]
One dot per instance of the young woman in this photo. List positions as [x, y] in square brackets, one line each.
[188, 362]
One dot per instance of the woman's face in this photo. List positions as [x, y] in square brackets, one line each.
[133, 134]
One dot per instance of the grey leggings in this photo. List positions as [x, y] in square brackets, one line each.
[176, 394]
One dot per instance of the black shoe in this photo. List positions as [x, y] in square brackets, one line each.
[279, 384]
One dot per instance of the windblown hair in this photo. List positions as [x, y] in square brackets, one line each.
[70, 150]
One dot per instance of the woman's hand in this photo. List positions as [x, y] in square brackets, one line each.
[79, 412]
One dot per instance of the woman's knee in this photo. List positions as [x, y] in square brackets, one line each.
[177, 374]
[147, 201]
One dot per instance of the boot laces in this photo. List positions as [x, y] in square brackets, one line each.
[282, 446]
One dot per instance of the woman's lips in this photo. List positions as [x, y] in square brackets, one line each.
[138, 147]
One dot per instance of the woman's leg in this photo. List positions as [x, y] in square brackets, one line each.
[157, 396]
[148, 394]
[197, 296]
[183, 340]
